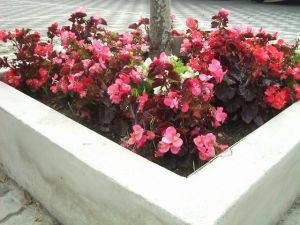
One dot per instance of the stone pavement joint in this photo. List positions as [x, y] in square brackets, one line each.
[18, 208]
[292, 217]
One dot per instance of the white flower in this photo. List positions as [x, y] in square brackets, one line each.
[173, 57]
[59, 49]
[147, 62]
[189, 74]
[145, 48]
[159, 90]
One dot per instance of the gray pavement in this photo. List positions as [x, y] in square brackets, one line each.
[38, 14]
[18, 208]
[292, 216]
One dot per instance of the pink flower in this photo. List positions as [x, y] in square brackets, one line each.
[117, 90]
[138, 136]
[102, 52]
[86, 63]
[172, 100]
[219, 116]
[114, 93]
[127, 38]
[191, 23]
[196, 38]
[135, 76]
[185, 46]
[57, 61]
[205, 145]
[208, 91]
[223, 13]
[185, 107]
[195, 86]
[96, 68]
[79, 11]
[142, 100]
[99, 20]
[66, 36]
[216, 70]
[171, 140]
[163, 148]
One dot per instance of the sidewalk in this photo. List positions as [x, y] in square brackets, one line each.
[18, 208]
[292, 217]
[38, 15]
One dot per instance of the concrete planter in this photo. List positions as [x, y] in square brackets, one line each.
[84, 179]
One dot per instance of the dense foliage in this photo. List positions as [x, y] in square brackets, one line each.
[168, 108]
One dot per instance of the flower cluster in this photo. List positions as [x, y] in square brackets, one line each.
[255, 74]
[167, 108]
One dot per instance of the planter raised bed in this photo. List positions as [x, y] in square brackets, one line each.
[83, 178]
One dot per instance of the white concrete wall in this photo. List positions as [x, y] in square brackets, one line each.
[84, 179]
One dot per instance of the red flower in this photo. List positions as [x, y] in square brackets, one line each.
[43, 50]
[11, 78]
[3, 35]
[261, 56]
[195, 64]
[277, 98]
[297, 91]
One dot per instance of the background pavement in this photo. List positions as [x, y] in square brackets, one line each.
[18, 208]
[39, 14]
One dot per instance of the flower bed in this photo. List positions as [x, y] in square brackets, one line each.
[102, 80]
[173, 105]
[83, 178]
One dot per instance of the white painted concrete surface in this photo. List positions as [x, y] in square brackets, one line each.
[84, 179]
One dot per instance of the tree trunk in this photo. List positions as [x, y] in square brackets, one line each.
[160, 27]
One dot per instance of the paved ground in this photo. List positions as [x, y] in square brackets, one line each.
[38, 14]
[18, 208]
[292, 217]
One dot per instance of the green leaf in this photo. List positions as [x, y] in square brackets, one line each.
[74, 45]
[114, 35]
[84, 54]
[145, 86]
[179, 66]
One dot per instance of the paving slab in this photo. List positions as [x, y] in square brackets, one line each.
[36, 14]
[292, 216]
[18, 208]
